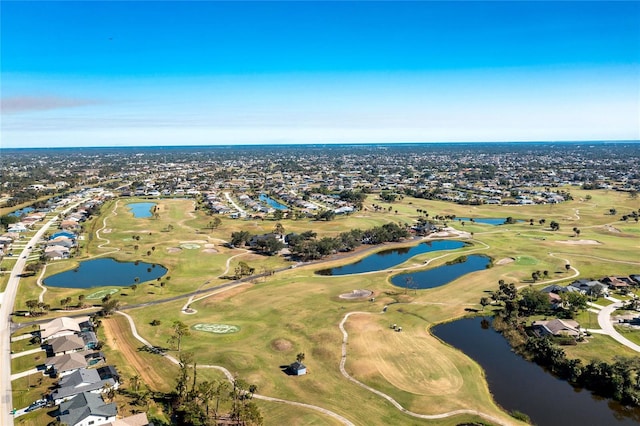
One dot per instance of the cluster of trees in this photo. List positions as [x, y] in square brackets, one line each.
[198, 403]
[306, 246]
[619, 380]
[532, 301]
[634, 215]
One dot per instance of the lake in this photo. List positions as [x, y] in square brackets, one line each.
[141, 210]
[392, 257]
[484, 220]
[271, 202]
[442, 274]
[106, 272]
[517, 384]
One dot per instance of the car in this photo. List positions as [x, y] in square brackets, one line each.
[30, 247]
[37, 404]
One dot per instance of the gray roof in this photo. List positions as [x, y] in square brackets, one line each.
[84, 405]
[83, 380]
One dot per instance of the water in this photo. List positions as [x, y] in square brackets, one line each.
[441, 275]
[23, 211]
[484, 220]
[273, 203]
[517, 384]
[141, 210]
[105, 272]
[388, 258]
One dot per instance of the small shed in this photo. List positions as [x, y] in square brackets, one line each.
[297, 369]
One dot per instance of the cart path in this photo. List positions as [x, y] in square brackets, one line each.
[230, 377]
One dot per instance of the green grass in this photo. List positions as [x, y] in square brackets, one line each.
[632, 334]
[303, 310]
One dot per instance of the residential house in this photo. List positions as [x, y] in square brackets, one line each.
[56, 253]
[556, 327]
[63, 365]
[589, 287]
[86, 409]
[66, 344]
[83, 380]
[63, 326]
[617, 283]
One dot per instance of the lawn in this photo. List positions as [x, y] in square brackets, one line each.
[297, 311]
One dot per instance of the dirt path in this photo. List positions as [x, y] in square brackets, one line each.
[118, 336]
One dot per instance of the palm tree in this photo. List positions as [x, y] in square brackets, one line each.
[134, 381]
[300, 357]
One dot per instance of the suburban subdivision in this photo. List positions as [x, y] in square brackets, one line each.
[388, 284]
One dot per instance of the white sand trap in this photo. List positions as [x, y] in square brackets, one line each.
[210, 251]
[611, 229]
[106, 231]
[190, 246]
[209, 246]
[581, 242]
[356, 294]
[193, 242]
[505, 261]
[174, 250]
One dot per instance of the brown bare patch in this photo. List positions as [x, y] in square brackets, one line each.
[118, 336]
[410, 361]
[505, 261]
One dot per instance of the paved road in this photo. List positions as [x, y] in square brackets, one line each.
[604, 320]
[233, 203]
[8, 301]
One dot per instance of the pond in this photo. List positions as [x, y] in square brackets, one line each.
[484, 220]
[141, 210]
[392, 257]
[106, 272]
[441, 275]
[272, 203]
[517, 384]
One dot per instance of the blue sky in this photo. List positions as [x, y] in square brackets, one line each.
[165, 73]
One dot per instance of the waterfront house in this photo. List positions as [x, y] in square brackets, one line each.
[556, 327]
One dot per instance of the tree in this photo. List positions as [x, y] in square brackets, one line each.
[300, 357]
[240, 238]
[567, 267]
[554, 225]
[573, 302]
[484, 301]
[134, 382]
[535, 276]
[613, 211]
[180, 330]
[110, 306]
[278, 229]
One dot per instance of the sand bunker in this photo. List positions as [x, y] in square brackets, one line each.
[209, 246]
[106, 231]
[356, 294]
[190, 246]
[505, 261]
[193, 242]
[174, 250]
[581, 242]
[611, 229]
[210, 251]
[281, 345]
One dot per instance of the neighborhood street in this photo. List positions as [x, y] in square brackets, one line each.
[8, 300]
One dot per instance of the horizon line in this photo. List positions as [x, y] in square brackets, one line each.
[262, 144]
